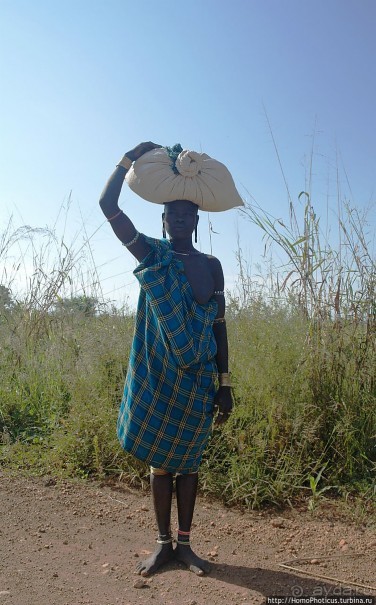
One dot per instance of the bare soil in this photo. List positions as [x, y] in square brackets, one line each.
[76, 543]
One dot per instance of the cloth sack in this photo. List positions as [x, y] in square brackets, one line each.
[159, 177]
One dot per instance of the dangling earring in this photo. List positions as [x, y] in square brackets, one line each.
[196, 234]
[163, 232]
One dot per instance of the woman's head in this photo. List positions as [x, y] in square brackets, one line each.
[180, 219]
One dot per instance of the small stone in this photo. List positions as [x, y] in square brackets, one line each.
[278, 522]
[55, 575]
[342, 542]
[50, 483]
[105, 565]
[140, 583]
[144, 508]
[315, 562]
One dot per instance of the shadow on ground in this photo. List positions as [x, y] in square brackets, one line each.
[283, 583]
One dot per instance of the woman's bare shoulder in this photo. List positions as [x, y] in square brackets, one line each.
[213, 260]
[216, 270]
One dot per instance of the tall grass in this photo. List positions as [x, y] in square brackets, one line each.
[302, 348]
[312, 352]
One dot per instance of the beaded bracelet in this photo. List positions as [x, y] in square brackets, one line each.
[133, 241]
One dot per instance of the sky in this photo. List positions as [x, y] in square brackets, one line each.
[84, 81]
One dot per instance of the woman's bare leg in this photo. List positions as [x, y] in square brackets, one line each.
[161, 489]
[186, 491]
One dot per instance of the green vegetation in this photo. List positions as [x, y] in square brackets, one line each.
[303, 358]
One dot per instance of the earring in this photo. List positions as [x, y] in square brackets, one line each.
[196, 234]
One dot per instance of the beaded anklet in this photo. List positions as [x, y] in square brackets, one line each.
[164, 539]
[183, 537]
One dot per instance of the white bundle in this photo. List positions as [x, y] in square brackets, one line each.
[197, 178]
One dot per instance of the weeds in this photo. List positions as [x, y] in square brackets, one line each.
[316, 491]
[303, 359]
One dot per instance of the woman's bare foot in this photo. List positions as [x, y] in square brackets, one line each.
[185, 555]
[162, 554]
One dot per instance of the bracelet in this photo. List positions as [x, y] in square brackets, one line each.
[125, 162]
[115, 216]
[133, 241]
[224, 379]
[219, 320]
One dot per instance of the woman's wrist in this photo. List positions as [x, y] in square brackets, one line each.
[125, 162]
[224, 379]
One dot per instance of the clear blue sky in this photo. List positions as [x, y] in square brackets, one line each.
[83, 81]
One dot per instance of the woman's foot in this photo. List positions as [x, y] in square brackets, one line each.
[185, 555]
[162, 554]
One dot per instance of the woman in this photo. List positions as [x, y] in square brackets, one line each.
[179, 349]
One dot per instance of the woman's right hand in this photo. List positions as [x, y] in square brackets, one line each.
[140, 149]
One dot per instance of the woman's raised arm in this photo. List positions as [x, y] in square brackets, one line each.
[121, 224]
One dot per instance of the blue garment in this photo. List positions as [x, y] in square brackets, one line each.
[165, 416]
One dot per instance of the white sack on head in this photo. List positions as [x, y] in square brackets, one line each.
[200, 179]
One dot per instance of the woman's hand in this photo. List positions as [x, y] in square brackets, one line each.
[140, 149]
[222, 404]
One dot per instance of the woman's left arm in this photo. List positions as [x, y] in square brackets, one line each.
[223, 397]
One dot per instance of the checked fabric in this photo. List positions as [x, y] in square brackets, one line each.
[165, 416]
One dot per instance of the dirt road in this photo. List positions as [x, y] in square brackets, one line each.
[65, 543]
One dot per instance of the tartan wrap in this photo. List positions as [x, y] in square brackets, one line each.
[165, 416]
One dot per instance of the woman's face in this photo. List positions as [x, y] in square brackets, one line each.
[180, 219]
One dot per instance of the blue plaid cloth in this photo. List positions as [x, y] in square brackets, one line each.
[165, 416]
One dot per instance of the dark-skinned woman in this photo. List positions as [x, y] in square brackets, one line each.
[178, 354]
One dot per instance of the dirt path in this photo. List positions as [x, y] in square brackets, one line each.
[77, 544]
